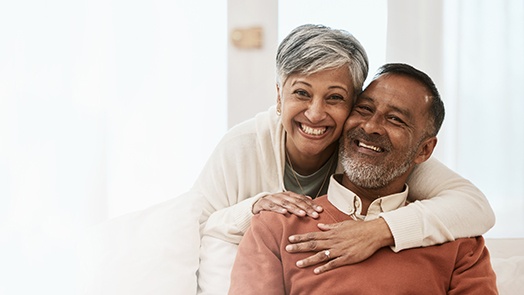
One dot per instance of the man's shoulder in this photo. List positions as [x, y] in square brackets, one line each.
[325, 203]
[322, 200]
[467, 243]
[467, 246]
[463, 247]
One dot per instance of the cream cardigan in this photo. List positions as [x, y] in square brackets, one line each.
[248, 163]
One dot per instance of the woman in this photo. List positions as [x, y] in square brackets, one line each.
[273, 161]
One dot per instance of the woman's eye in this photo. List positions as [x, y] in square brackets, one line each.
[301, 93]
[336, 97]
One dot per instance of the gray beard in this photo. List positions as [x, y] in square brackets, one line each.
[372, 176]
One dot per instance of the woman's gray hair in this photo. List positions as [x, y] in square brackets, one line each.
[313, 48]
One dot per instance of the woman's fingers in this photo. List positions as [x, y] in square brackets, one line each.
[287, 202]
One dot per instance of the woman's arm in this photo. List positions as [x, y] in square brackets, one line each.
[229, 224]
[244, 165]
[447, 207]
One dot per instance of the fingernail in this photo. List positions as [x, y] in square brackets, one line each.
[289, 248]
[301, 212]
[319, 208]
[317, 271]
[300, 263]
[315, 214]
[291, 238]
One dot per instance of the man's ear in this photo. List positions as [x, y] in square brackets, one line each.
[426, 149]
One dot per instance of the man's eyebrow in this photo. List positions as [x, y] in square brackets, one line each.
[362, 96]
[403, 111]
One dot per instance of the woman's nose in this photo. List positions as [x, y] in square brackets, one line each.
[316, 111]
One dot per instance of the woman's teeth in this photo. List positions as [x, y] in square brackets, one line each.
[312, 131]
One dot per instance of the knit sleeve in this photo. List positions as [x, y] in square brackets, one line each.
[240, 171]
[229, 224]
[446, 207]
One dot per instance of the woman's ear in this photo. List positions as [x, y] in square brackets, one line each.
[426, 149]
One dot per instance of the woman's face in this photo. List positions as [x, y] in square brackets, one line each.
[314, 109]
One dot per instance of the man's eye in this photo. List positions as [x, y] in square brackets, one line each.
[363, 109]
[396, 120]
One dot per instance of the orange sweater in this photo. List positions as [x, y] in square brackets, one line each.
[263, 266]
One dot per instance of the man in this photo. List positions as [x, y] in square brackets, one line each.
[392, 128]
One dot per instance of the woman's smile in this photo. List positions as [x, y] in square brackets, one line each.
[310, 130]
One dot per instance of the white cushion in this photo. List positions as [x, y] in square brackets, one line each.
[510, 274]
[153, 251]
[507, 259]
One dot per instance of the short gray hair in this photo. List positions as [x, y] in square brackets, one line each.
[309, 49]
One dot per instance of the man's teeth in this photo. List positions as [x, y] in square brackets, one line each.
[371, 147]
[313, 131]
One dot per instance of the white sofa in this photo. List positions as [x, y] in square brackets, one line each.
[154, 251]
[507, 259]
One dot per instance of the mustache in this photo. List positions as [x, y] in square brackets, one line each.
[358, 134]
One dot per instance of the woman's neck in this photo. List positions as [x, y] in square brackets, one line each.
[307, 164]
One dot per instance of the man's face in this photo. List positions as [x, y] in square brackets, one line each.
[386, 131]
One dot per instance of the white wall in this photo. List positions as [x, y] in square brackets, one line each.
[251, 71]
[106, 107]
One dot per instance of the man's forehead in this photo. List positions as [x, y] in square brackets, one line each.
[399, 94]
[396, 89]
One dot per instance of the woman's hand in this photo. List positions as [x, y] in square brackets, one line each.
[342, 243]
[285, 202]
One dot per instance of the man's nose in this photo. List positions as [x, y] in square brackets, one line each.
[374, 124]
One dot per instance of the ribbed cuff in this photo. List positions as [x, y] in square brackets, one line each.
[406, 228]
[243, 212]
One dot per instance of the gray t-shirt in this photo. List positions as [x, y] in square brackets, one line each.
[313, 185]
